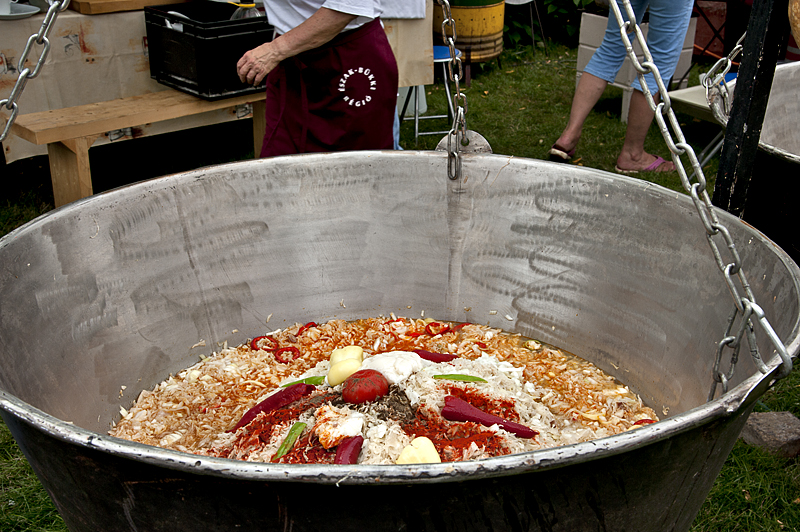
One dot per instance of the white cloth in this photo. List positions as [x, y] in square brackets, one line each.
[404, 9]
[285, 15]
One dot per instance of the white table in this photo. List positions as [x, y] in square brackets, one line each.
[692, 101]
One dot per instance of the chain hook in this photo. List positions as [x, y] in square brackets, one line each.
[718, 94]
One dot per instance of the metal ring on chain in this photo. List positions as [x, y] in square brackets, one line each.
[455, 138]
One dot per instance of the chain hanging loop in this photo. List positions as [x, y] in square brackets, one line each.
[42, 39]
[457, 136]
[745, 308]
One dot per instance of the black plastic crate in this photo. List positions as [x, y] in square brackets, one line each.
[197, 52]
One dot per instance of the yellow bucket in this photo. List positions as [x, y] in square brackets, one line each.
[479, 30]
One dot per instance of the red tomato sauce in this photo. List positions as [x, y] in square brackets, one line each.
[451, 439]
[503, 408]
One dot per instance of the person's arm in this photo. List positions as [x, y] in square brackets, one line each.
[320, 28]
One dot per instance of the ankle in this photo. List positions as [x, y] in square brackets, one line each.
[627, 156]
[567, 142]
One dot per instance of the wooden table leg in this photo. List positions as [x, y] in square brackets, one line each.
[69, 169]
[259, 126]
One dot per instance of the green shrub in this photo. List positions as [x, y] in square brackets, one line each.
[560, 21]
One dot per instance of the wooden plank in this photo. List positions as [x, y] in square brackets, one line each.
[97, 118]
[259, 126]
[80, 145]
[97, 7]
[70, 171]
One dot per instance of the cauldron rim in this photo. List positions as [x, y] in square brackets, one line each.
[779, 152]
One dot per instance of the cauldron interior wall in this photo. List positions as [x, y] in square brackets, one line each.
[614, 270]
[779, 129]
[108, 296]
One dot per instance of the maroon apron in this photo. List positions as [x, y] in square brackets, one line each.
[340, 96]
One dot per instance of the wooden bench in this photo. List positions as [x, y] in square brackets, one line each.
[70, 132]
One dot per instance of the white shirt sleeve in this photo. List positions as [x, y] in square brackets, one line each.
[287, 14]
[362, 8]
[406, 9]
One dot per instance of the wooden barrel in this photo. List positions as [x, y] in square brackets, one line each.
[479, 28]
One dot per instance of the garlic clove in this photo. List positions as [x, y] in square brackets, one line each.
[419, 451]
[343, 353]
[341, 370]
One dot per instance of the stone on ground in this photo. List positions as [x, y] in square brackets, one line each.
[776, 432]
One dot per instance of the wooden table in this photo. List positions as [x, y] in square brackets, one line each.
[70, 132]
[98, 7]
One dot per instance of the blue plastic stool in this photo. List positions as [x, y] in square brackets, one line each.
[441, 54]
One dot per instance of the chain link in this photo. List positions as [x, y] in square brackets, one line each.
[42, 39]
[458, 131]
[745, 307]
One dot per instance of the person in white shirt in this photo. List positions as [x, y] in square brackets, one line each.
[331, 77]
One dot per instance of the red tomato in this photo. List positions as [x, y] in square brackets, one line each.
[364, 385]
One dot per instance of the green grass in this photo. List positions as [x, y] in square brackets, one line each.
[24, 504]
[756, 491]
[27, 207]
[520, 106]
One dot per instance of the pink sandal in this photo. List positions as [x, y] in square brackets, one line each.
[653, 167]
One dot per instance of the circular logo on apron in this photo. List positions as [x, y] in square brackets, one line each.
[357, 86]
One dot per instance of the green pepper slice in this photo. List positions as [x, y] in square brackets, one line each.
[294, 433]
[315, 380]
[459, 377]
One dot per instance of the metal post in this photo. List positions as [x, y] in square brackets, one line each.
[761, 47]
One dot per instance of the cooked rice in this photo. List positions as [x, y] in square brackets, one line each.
[566, 399]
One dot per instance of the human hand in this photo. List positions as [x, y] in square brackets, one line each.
[255, 64]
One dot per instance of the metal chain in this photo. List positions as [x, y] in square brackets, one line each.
[717, 94]
[42, 39]
[458, 130]
[745, 305]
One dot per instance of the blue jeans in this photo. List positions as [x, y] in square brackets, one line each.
[669, 20]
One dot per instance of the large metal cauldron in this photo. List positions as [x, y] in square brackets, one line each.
[114, 291]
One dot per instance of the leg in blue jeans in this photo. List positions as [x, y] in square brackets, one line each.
[608, 58]
[668, 24]
[669, 20]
